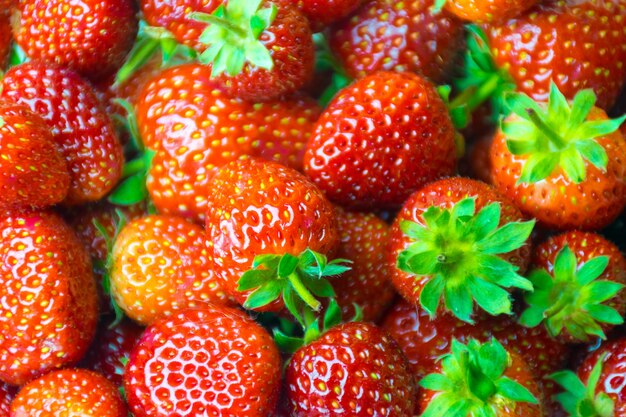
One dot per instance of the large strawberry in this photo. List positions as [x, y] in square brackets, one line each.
[33, 172]
[353, 369]
[380, 140]
[386, 35]
[206, 361]
[69, 392]
[91, 37]
[562, 163]
[461, 241]
[578, 287]
[49, 307]
[82, 130]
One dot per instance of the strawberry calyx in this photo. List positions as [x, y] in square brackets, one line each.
[297, 279]
[557, 135]
[232, 36]
[572, 299]
[472, 380]
[457, 250]
[580, 400]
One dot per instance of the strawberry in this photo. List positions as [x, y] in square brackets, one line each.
[207, 361]
[32, 171]
[353, 369]
[552, 159]
[81, 129]
[324, 12]
[380, 140]
[480, 379]
[269, 230]
[5, 36]
[49, 308]
[159, 265]
[363, 240]
[387, 35]
[578, 279]
[195, 129]
[461, 240]
[91, 37]
[486, 11]
[69, 392]
[6, 397]
[111, 349]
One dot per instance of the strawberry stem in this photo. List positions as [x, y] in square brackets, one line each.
[552, 136]
[219, 21]
[303, 292]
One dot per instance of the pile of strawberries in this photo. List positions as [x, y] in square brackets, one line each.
[306, 208]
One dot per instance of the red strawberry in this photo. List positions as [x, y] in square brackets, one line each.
[32, 171]
[553, 161]
[381, 139]
[159, 265]
[324, 12]
[486, 11]
[81, 129]
[578, 280]
[195, 129]
[460, 240]
[353, 369]
[111, 349]
[209, 361]
[5, 35]
[387, 35]
[364, 239]
[69, 392]
[91, 37]
[49, 307]
[481, 379]
[272, 222]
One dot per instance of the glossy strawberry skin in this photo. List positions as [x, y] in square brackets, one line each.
[380, 140]
[160, 265]
[49, 308]
[576, 44]
[324, 12]
[444, 194]
[91, 37]
[351, 369]
[69, 392]
[486, 11]
[557, 202]
[385, 35]
[81, 129]
[33, 173]
[257, 207]
[212, 360]
[195, 129]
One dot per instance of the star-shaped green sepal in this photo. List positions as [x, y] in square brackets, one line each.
[472, 382]
[557, 135]
[572, 299]
[458, 250]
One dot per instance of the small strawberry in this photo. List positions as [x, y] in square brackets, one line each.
[159, 265]
[69, 392]
[82, 130]
[91, 37]
[460, 240]
[324, 12]
[363, 240]
[49, 307]
[553, 161]
[485, 11]
[387, 35]
[32, 171]
[353, 369]
[578, 280]
[380, 140]
[477, 379]
[207, 361]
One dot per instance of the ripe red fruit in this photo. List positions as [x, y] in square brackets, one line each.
[353, 369]
[460, 240]
[33, 174]
[380, 140]
[5, 35]
[81, 129]
[50, 308]
[69, 392]
[91, 37]
[387, 35]
[208, 361]
[487, 11]
[322, 13]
